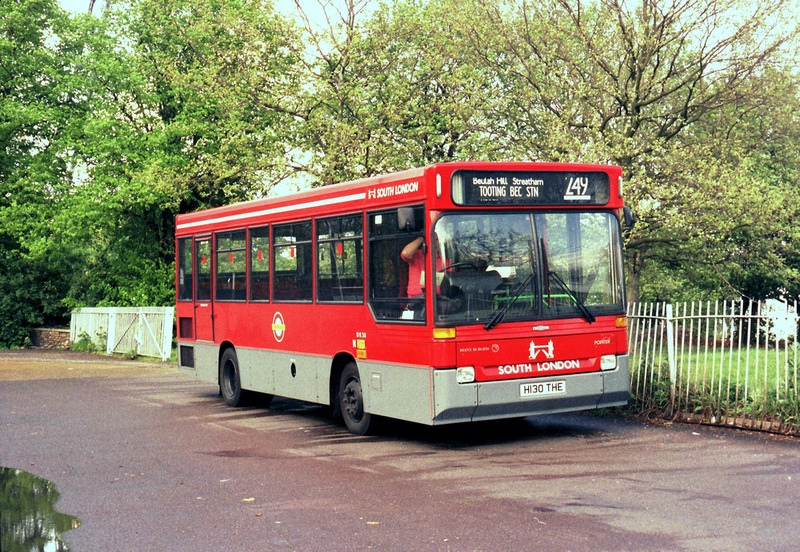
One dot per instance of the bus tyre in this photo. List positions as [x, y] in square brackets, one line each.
[230, 383]
[351, 401]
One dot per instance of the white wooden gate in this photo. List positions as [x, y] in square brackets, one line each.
[145, 331]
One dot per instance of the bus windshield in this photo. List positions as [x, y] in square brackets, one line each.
[494, 267]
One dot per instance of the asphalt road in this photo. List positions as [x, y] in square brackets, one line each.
[148, 459]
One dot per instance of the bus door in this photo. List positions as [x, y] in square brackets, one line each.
[203, 306]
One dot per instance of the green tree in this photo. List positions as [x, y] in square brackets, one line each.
[113, 125]
[388, 91]
[759, 138]
[641, 86]
[666, 89]
[183, 97]
[37, 109]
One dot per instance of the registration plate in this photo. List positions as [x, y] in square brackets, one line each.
[539, 389]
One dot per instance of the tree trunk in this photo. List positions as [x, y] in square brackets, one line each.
[634, 270]
[106, 7]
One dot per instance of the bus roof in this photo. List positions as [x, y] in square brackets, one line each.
[410, 186]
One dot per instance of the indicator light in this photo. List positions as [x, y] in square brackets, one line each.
[444, 333]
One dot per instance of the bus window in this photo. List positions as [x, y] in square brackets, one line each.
[581, 252]
[203, 263]
[292, 262]
[519, 266]
[259, 264]
[397, 284]
[185, 272]
[231, 266]
[340, 248]
[488, 264]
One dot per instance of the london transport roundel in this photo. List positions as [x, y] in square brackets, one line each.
[278, 327]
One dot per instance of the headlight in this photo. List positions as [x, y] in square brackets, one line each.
[465, 374]
[608, 362]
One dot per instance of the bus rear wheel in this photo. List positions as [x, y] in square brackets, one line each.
[230, 382]
[351, 401]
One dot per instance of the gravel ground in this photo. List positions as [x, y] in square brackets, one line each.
[31, 364]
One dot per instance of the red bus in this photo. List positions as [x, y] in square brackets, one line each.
[452, 293]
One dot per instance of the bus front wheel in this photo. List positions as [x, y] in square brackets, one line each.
[351, 401]
[230, 383]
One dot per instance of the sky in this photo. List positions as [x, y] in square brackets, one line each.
[311, 7]
[78, 6]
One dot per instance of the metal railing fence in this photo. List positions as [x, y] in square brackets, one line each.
[143, 331]
[731, 363]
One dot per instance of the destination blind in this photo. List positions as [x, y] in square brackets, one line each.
[513, 188]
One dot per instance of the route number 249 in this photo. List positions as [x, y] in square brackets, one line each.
[578, 186]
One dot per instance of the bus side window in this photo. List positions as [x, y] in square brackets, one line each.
[231, 266]
[340, 247]
[389, 273]
[259, 264]
[203, 272]
[292, 262]
[185, 270]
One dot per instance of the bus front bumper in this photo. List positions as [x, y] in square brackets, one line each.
[465, 402]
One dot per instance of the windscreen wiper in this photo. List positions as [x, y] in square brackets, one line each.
[587, 314]
[498, 317]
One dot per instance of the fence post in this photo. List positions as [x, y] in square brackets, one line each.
[673, 367]
[73, 326]
[139, 333]
[166, 347]
[111, 334]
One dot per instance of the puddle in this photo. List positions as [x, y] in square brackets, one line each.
[28, 519]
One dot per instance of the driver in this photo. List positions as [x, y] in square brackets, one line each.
[414, 255]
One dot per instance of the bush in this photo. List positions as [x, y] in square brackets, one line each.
[84, 344]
